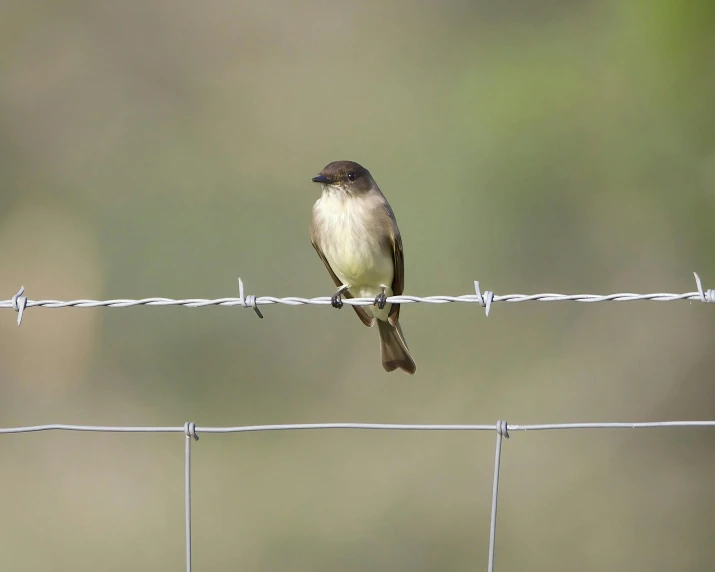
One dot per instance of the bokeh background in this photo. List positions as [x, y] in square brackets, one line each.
[165, 148]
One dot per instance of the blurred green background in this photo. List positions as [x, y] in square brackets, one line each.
[165, 148]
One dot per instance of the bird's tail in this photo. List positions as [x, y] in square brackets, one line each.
[394, 349]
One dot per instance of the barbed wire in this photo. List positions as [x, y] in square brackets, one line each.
[20, 303]
[502, 429]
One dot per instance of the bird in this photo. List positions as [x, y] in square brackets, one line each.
[354, 231]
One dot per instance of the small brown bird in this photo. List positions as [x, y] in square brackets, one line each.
[355, 233]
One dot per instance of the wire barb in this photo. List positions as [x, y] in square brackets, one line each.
[486, 301]
[706, 296]
[248, 301]
[19, 303]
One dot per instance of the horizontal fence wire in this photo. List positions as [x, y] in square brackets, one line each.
[20, 303]
[190, 430]
[357, 426]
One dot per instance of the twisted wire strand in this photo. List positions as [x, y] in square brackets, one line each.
[325, 300]
[20, 303]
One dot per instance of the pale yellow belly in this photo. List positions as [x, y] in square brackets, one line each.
[359, 260]
[360, 264]
[366, 271]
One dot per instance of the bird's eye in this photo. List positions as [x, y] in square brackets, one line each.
[352, 176]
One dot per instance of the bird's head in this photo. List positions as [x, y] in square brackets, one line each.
[345, 176]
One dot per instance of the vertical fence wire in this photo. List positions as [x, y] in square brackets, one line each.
[190, 433]
[501, 428]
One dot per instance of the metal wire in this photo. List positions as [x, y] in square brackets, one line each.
[357, 426]
[190, 431]
[20, 303]
[325, 300]
[501, 434]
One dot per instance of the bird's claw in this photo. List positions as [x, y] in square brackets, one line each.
[336, 301]
[380, 300]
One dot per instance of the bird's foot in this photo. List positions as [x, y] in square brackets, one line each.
[336, 301]
[380, 299]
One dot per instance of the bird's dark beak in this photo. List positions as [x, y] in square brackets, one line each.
[320, 179]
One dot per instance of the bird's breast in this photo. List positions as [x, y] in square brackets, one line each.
[352, 241]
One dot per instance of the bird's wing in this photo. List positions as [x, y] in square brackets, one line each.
[398, 261]
[366, 319]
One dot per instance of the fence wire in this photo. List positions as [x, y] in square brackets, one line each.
[19, 303]
[191, 432]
